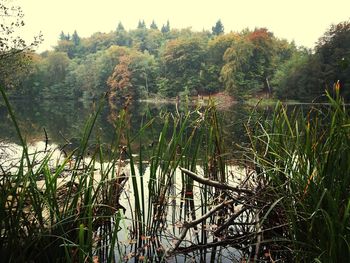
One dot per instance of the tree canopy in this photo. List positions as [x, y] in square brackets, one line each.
[309, 74]
[15, 53]
[173, 62]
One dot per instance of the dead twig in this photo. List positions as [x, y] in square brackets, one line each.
[188, 225]
[215, 184]
[229, 221]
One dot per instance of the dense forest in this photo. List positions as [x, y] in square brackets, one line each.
[166, 62]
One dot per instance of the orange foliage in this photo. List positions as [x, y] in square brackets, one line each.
[120, 78]
[259, 36]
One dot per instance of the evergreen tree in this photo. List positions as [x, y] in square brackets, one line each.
[166, 28]
[218, 29]
[141, 24]
[153, 25]
[62, 36]
[122, 37]
[120, 27]
[75, 38]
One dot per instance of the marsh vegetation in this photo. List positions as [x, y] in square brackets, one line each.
[182, 197]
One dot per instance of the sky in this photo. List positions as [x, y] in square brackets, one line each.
[303, 21]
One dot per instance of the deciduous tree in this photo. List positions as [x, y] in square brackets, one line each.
[15, 53]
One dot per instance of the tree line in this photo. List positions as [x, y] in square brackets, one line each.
[181, 62]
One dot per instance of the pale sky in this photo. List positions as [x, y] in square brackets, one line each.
[303, 21]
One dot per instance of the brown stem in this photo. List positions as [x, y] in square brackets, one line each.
[188, 225]
[215, 184]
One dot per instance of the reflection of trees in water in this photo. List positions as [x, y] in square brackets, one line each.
[66, 119]
[129, 115]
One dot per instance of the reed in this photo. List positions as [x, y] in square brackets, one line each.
[58, 220]
[151, 200]
[303, 161]
[78, 213]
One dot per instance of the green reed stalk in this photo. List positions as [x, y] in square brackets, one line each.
[305, 160]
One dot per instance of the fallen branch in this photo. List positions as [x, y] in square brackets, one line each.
[235, 242]
[188, 225]
[230, 221]
[215, 184]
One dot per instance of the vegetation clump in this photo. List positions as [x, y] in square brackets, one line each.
[302, 160]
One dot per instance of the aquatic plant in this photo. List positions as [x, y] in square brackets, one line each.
[303, 162]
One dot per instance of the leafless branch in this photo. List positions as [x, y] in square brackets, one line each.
[215, 184]
[188, 225]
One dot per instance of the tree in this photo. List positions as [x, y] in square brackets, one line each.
[119, 82]
[120, 27]
[122, 37]
[67, 47]
[288, 80]
[153, 25]
[76, 38]
[210, 73]
[134, 76]
[98, 41]
[141, 24]
[57, 64]
[250, 63]
[306, 76]
[218, 29]
[139, 36]
[166, 28]
[105, 63]
[15, 53]
[153, 41]
[12, 19]
[144, 71]
[236, 73]
[218, 46]
[333, 51]
[182, 60]
[62, 36]
[87, 76]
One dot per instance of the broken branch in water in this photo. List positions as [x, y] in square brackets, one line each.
[230, 221]
[188, 225]
[215, 184]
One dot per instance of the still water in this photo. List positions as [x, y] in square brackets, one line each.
[62, 121]
[55, 123]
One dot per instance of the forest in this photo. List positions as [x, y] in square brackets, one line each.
[168, 63]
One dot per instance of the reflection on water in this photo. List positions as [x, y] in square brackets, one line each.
[64, 124]
[64, 121]
[179, 208]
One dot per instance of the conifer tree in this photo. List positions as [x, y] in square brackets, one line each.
[153, 25]
[166, 28]
[218, 29]
[141, 24]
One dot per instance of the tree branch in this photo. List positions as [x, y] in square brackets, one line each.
[188, 225]
[215, 184]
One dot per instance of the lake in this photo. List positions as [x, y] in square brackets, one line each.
[59, 124]
[62, 121]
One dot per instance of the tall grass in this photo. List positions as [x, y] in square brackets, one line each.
[156, 195]
[303, 162]
[58, 220]
[137, 199]
[77, 213]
